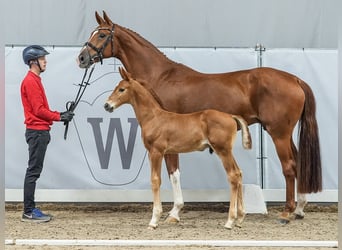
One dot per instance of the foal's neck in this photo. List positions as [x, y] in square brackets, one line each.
[144, 104]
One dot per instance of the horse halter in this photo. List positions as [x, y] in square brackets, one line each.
[99, 51]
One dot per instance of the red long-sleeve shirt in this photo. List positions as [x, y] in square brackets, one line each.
[37, 113]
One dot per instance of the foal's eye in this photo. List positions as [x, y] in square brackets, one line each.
[121, 90]
[102, 35]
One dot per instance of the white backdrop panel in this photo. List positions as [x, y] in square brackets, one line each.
[104, 151]
[318, 68]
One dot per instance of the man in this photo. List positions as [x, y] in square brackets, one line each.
[38, 120]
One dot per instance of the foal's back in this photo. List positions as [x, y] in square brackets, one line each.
[181, 133]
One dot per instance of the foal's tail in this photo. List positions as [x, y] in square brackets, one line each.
[309, 170]
[246, 136]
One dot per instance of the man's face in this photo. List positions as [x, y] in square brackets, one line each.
[42, 62]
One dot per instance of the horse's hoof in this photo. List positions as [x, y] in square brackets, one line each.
[283, 221]
[299, 217]
[152, 227]
[228, 226]
[284, 218]
[239, 223]
[171, 220]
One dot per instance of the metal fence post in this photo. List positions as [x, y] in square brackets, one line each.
[261, 154]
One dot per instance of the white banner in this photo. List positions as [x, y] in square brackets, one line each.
[104, 150]
[318, 68]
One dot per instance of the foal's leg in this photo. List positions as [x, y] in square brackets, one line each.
[240, 207]
[172, 164]
[234, 176]
[155, 162]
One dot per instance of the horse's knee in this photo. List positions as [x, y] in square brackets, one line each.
[155, 182]
[235, 178]
[289, 171]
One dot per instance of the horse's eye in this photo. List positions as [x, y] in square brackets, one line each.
[102, 35]
[121, 90]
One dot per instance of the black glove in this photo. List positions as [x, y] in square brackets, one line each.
[67, 116]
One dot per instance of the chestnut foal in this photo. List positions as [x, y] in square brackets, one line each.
[166, 132]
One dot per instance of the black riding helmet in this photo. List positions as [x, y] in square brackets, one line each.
[33, 52]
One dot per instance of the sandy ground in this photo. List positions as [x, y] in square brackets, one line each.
[198, 222]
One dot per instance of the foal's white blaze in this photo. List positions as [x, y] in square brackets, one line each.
[177, 195]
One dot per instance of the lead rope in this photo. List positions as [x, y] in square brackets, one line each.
[71, 105]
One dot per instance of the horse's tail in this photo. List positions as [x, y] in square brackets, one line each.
[246, 136]
[309, 171]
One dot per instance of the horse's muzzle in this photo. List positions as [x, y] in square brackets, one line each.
[108, 107]
[84, 60]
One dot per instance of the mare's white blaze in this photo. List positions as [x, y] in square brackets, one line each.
[85, 46]
[177, 195]
[94, 33]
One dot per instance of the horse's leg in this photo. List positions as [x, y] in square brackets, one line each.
[301, 198]
[234, 176]
[172, 161]
[301, 202]
[288, 163]
[155, 162]
[240, 207]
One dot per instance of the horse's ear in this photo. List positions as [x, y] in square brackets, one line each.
[99, 19]
[106, 18]
[123, 73]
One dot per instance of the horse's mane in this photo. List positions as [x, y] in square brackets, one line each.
[137, 35]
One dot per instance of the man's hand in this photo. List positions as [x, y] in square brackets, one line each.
[67, 116]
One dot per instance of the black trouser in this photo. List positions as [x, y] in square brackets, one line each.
[37, 141]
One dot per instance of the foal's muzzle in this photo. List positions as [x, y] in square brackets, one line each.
[108, 107]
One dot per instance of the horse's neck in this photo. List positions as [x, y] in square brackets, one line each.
[141, 58]
[144, 104]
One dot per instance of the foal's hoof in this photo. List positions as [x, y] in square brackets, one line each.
[229, 225]
[171, 220]
[238, 224]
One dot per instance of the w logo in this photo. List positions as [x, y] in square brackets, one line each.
[112, 150]
[104, 149]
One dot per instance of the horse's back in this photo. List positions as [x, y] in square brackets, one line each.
[255, 94]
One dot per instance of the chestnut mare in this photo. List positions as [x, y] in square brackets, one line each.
[274, 98]
[165, 132]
